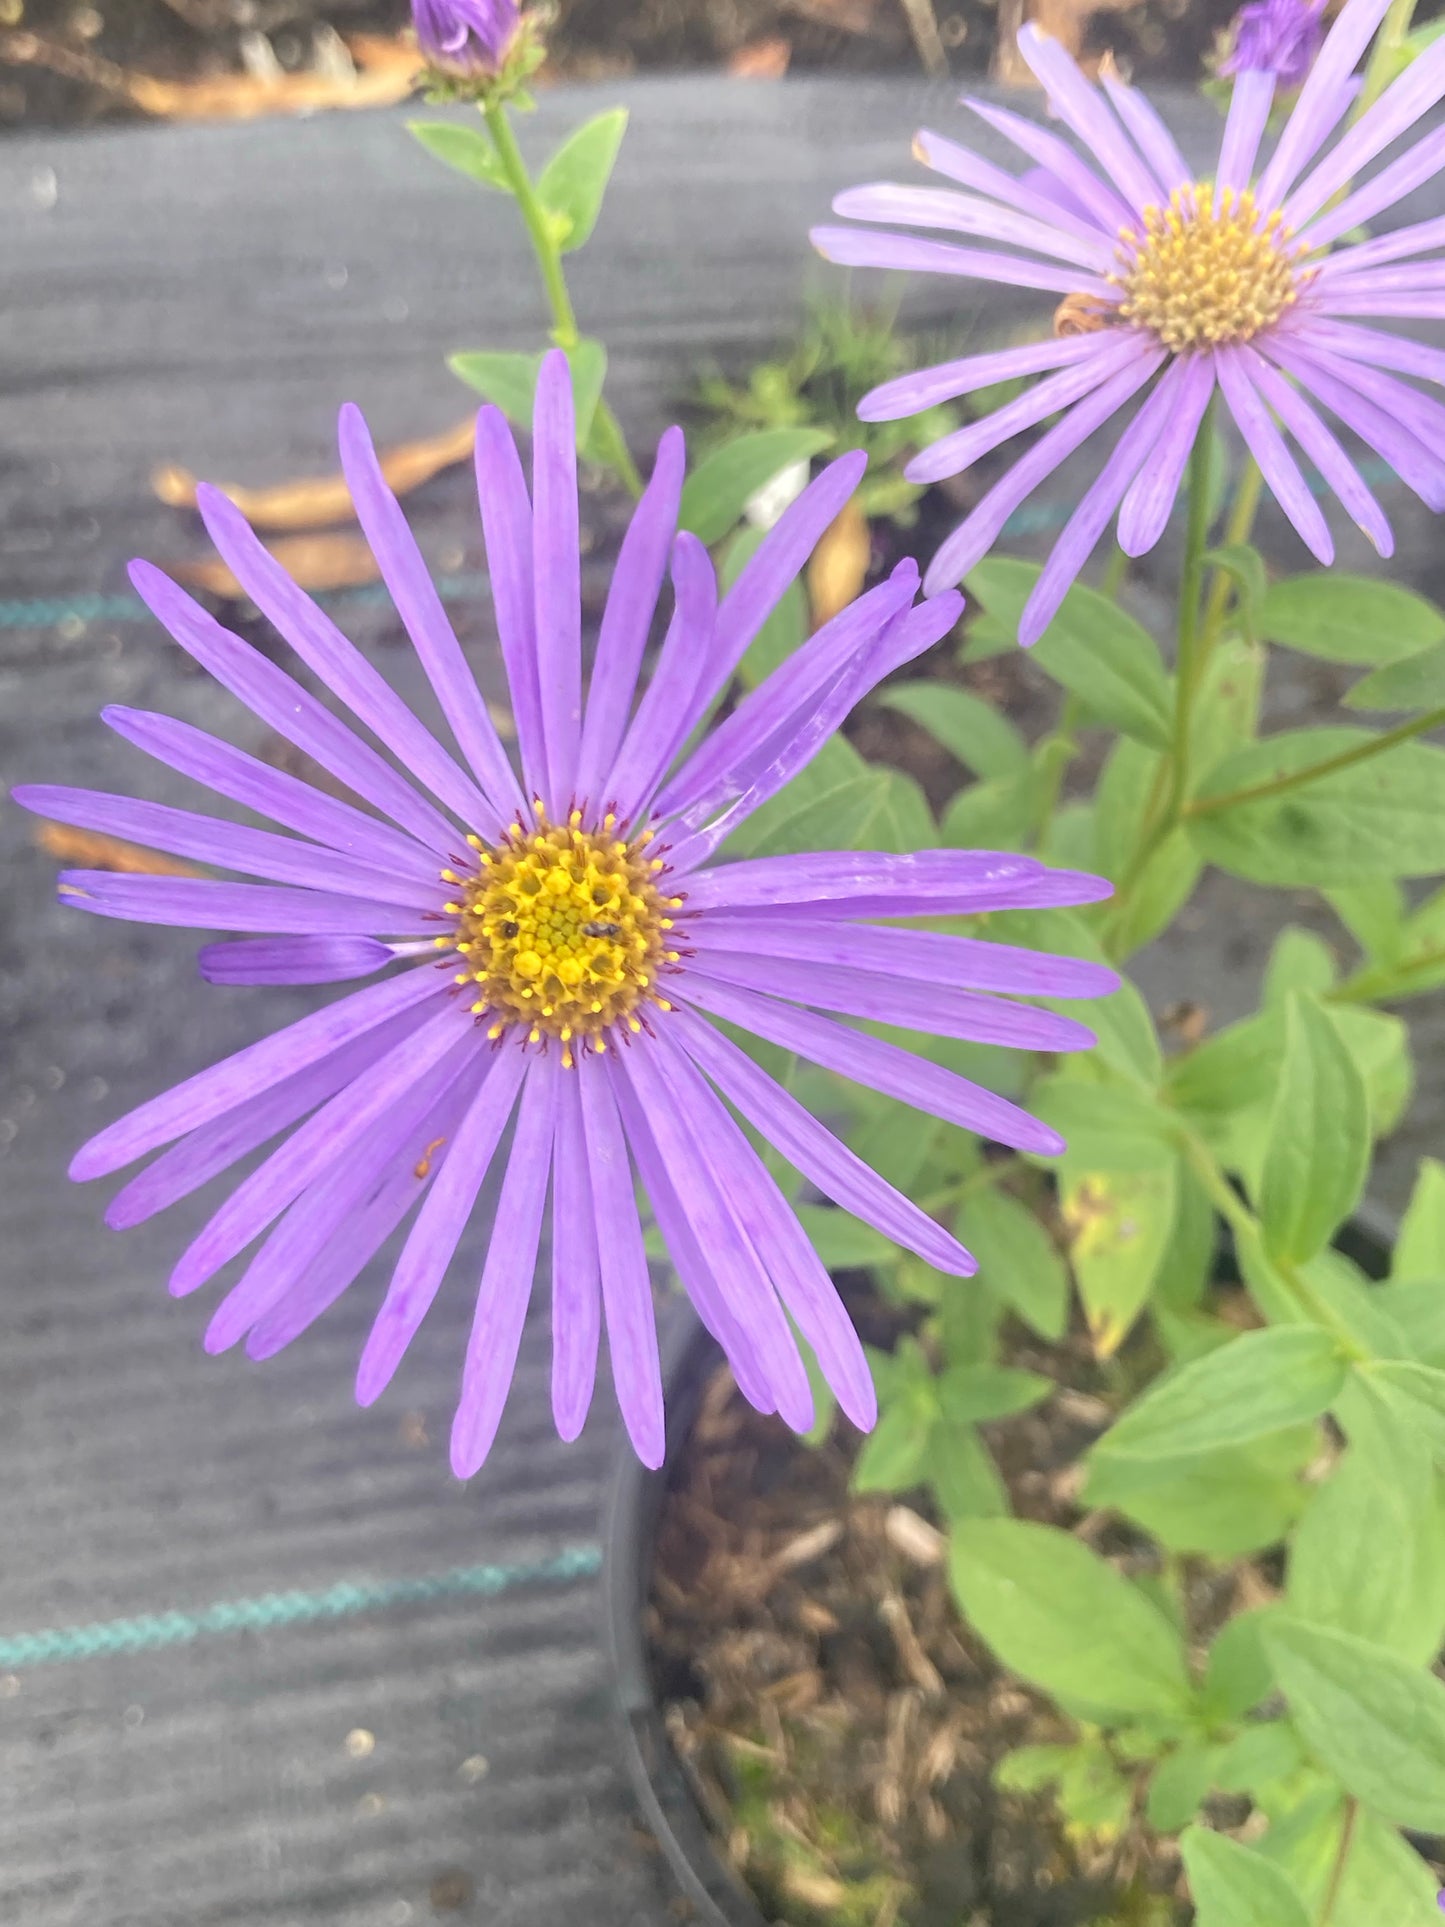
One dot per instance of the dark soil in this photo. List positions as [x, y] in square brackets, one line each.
[840, 1724]
[86, 44]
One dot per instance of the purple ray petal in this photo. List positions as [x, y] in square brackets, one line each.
[214, 1147]
[1113, 349]
[507, 530]
[1037, 889]
[1391, 439]
[1421, 163]
[769, 713]
[1277, 465]
[945, 878]
[292, 960]
[432, 1240]
[685, 1253]
[840, 1174]
[969, 169]
[880, 1066]
[1153, 139]
[849, 247]
[1057, 158]
[198, 904]
[1383, 306]
[1323, 100]
[940, 207]
[271, 792]
[1151, 495]
[281, 701]
[1425, 415]
[425, 620]
[576, 1274]
[556, 577]
[976, 535]
[338, 662]
[919, 956]
[626, 1286]
[1417, 238]
[1081, 108]
[798, 1275]
[1376, 348]
[1249, 107]
[324, 1214]
[1134, 448]
[1379, 283]
[229, 846]
[627, 618]
[1398, 108]
[906, 637]
[669, 708]
[340, 1264]
[326, 1136]
[507, 1277]
[926, 387]
[740, 1270]
[938, 1009]
[1322, 448]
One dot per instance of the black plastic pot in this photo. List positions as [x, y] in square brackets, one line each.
[665, 1795]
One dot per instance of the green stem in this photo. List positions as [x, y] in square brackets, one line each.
[1388, 42]
[1342, 1855]
[607, 436]
[1239, 528]
[1296, 779]
[1378, 983]
[1055, 753]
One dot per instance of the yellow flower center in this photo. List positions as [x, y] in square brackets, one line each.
[562, 929]
[1206, 269]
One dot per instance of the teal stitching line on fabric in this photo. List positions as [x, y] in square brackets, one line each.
[48, 613]
[274, 1609]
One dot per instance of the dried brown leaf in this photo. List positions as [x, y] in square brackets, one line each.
[315, 561]
[765, 59]
[99, 852]
[839, 564]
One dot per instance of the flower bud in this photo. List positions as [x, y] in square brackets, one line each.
[466, 39]
[1280, 37]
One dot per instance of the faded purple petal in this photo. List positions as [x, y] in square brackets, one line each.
[1391, 439]
[1279, 39]
[1266, 444]
[1048, 203]
[1417, 238]
[199, 904]
[665, 716]
[1082, 109]
[840, 1174]
[944, 878]
[281, 701]
[507, 1276]
[1249, 107]
[626, 1286]
[1151, 136]
[556, 576]
[851, 247]
[1079, 182]
[1151, 495]
[976, 535]
[1376, 348]
[576, 1276]
[1323, 100]
[432, 1241]
[926, 387]
[1322, 448]
[425, 620]
[507, 530]
[292, 960]
[1399, 107]
[627, 618]
[880, 1066]
[937, 207]
[1424, 415]
[1423, 161]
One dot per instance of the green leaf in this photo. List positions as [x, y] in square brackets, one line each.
[1417, 1393]
[1319, 1138]
[723, 483]
[1262, 1381]
[1108, 1127]
[961, 1470]
[1017, 1259]
[1373, 912]
[1233, 1887]
[994, 815]
[780, 828]
[1349, 618]
[1420, 1248]
[1299, 961]
[510, 381]
[572, 184]
[1059, 1615]
[843, 1242]
[1383, 1879]
[969, 728]
[895, 1453]
[1261, 1755]
[1417, 682]
[978, 1393]
[1379, 817]
[1417, 1307]
[1098, 653]
[1119, 1224]
[1237, 1675]
[1226, 1503]
[467, 149]
[1029, 1769]
[1178, 1786]
[1373, 1720]
[1367, 1558]
[1188, 1259]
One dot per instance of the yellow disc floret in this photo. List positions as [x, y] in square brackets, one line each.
[1206, 270]
[563, 930]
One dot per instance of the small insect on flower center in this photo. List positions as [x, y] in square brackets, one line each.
[563, 930]
[1206, 269]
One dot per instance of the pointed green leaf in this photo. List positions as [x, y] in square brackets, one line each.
[466, 149]
[1416, 682]
[1233, 1887]
[974, 731]
[1016, 1259]
[1066, 1620]
[724, 482]
[1119, 1224]
[510, 381]
[573, 182]
[1349, 618]
[1420, 1248]
[1318, 1153]
[962, 1473]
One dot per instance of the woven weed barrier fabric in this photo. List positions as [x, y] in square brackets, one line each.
[261, 1658]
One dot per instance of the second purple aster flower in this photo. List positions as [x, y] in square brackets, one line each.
[554, 944]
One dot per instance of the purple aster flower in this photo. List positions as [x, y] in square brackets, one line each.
[1279, 37]
[467, 38]
[554, 943]
[1172, 288]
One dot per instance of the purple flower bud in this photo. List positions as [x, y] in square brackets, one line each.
[468, 38]
[1280, 37]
